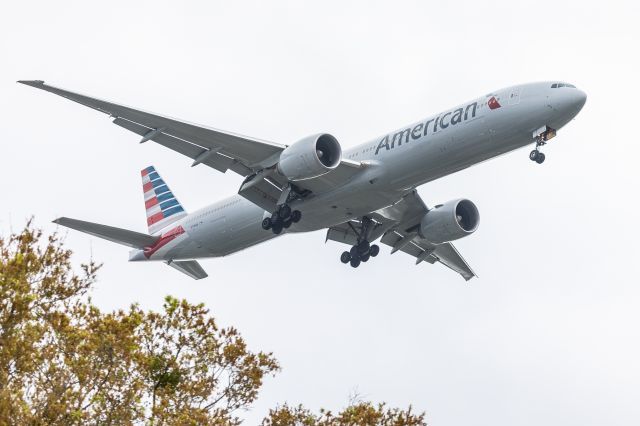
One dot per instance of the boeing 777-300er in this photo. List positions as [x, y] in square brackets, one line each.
[360, 195]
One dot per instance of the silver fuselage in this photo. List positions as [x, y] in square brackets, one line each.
[411, 156]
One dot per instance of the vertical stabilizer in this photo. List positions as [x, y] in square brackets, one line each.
[162, 207]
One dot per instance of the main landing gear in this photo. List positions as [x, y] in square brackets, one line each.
[282, 218]
[363, 250]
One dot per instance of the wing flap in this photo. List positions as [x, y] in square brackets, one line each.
[393, 238]
[215, 160]
[343, 234]
[423, 250]
[189, 267]
[117, 235]
[451, 258]
[260, 192]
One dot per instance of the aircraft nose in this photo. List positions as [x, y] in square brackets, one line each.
[569, 101]
[580, 98]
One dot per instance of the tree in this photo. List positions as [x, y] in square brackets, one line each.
[358, 413]
[193, 371]
[64, 362]
[36, 285]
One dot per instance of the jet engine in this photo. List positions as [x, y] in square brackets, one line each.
[449, 221]
[310, 157]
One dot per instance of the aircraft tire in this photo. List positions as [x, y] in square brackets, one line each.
[365, 257]
[540, 158]
[363, 247]
[285, 211]
[374, 250]
[286, 223]
[266, 223]
[533, 155]
[345, 257]
[355, 262]
[276, 228]
[296, 215]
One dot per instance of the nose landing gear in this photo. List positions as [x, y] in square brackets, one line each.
[542, 135]
[537, 156]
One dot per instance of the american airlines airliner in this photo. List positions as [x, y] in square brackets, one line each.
[362, 195]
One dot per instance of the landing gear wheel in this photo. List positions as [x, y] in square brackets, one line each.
[296, 216]
[540, 158]
[276, 227]
[365, 257]
[354, 252]
[284, 211]
[266, 223]
[374, 250]
[533, 155]
[363, 247]
[355, 262]
[286, 223]
[345, 257]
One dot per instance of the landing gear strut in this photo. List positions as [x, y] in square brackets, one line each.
[363, 250]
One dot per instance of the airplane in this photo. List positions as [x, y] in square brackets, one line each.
[360, 195]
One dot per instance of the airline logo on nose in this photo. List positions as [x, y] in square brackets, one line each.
[493, 103]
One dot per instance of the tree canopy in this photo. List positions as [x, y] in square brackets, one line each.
[64, 362]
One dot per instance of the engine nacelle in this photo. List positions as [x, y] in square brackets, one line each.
[449, 221]
[310, 157]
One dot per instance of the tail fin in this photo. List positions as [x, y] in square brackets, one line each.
[162, 207]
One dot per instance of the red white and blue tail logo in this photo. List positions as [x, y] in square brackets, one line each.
[162, 207]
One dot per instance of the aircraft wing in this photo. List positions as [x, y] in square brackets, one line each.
[398, 225]
[422, 250]
[215, 148]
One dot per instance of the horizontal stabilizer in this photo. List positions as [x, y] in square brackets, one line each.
[189, 267]
[117, 235]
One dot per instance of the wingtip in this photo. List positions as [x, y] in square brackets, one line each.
[470, 277]
[58, 221]
[34, 83]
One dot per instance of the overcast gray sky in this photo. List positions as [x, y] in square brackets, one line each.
[549, 332]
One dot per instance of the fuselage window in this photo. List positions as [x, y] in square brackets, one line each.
[556, 85]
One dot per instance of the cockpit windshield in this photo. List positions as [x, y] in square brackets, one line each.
[556, 85]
